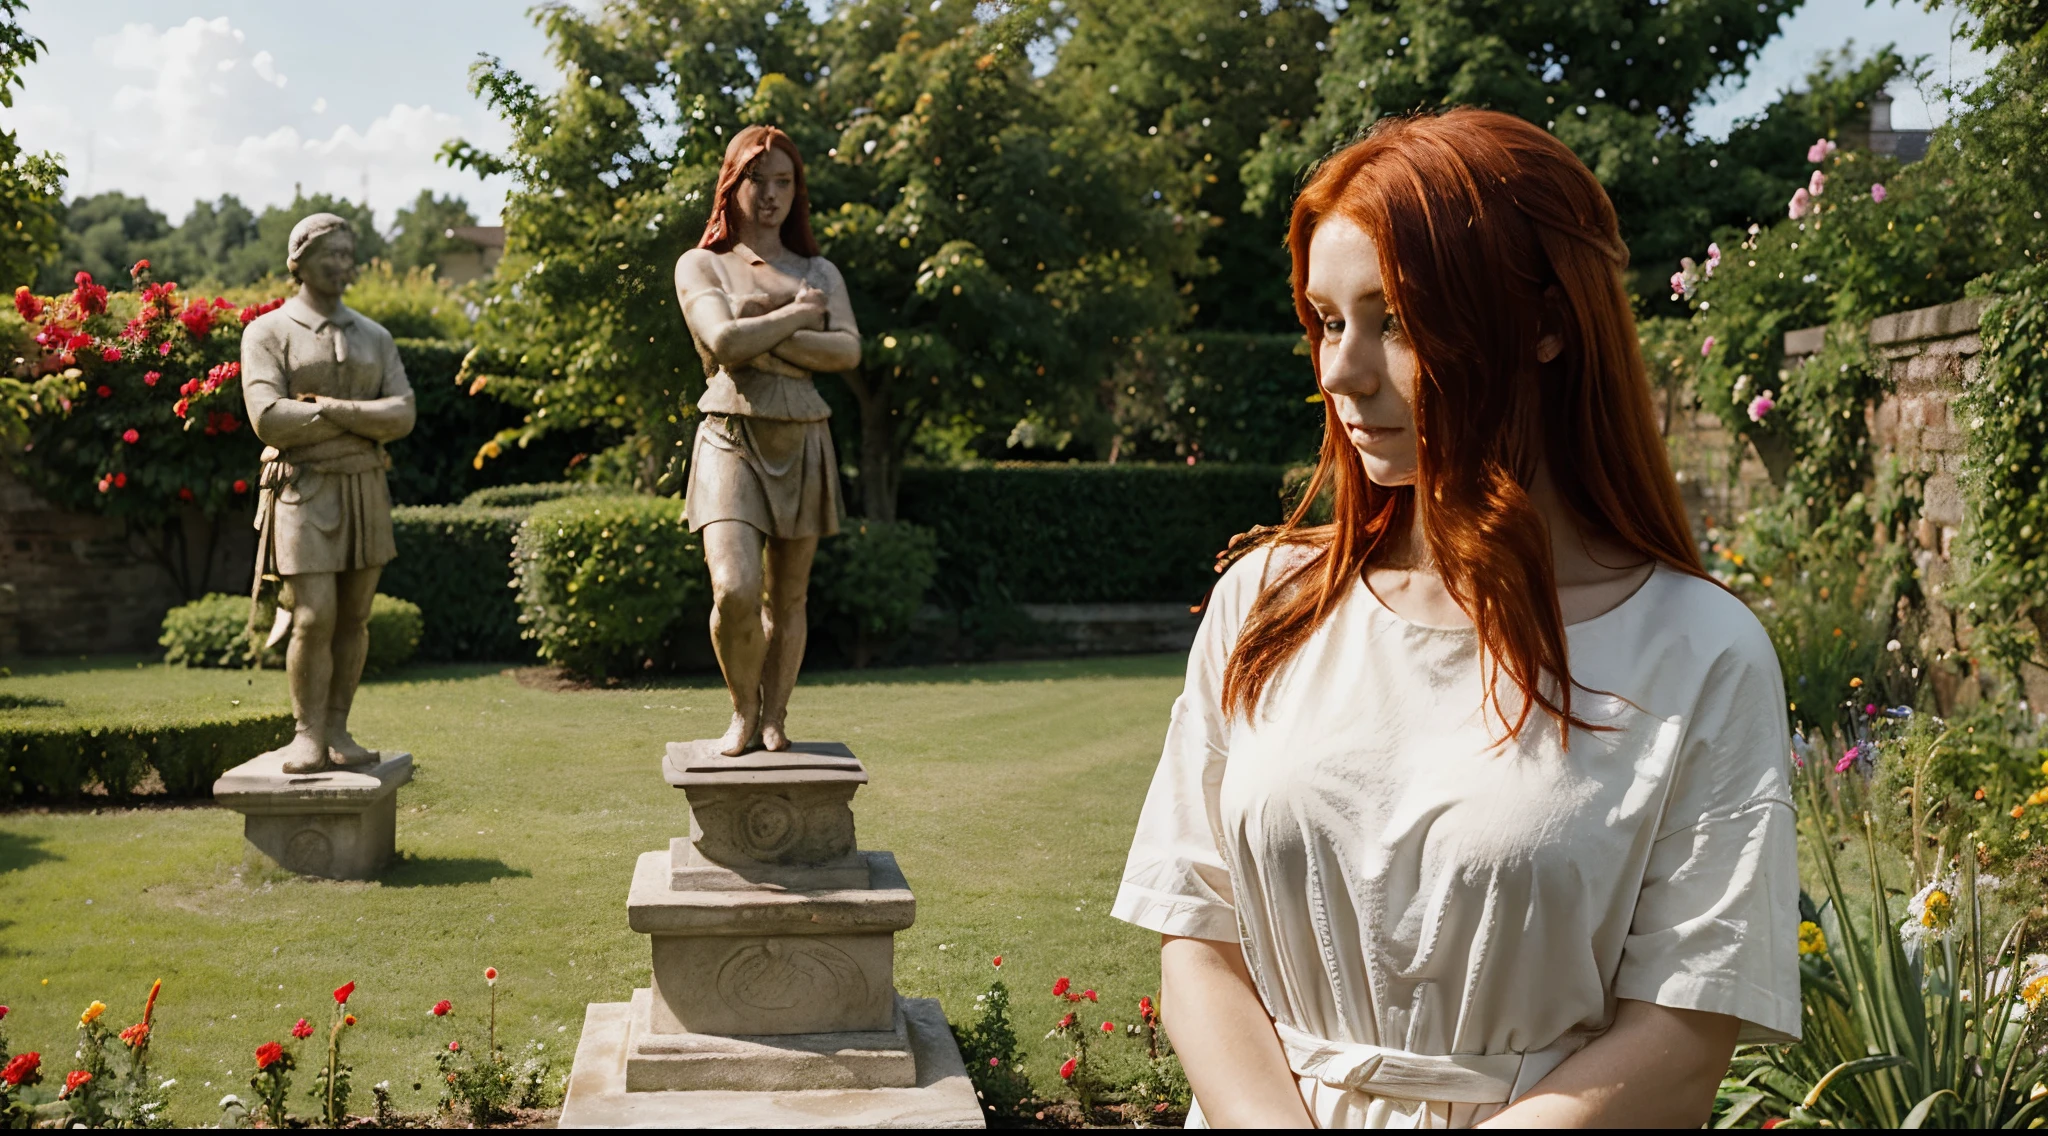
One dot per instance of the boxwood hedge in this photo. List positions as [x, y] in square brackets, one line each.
[47, 754]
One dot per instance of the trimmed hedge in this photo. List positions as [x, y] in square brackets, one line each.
[52, 756]
[1218, 395]
[605, 583]
[531, 494]
[455, 562]
[1018, 533]
[214, 631]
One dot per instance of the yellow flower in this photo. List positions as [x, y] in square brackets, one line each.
[1811, 940]
[92, 1013]
[1936, 909]
[2034, 981]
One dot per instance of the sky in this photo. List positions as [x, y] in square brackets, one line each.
[177, 101]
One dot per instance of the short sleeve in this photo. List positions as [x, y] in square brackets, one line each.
[266, 391]
[396, 384]
[1177, 881]
[1716, 924]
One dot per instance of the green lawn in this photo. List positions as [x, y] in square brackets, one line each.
[1007, 792]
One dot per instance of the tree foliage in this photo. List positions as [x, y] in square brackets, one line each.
[28, 182]
[994, 253]
[220, 243]
[419, 233]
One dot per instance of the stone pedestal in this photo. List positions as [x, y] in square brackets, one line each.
[340, 825]
[773, 999]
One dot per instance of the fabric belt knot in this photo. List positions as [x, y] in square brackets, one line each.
[1455, 1078]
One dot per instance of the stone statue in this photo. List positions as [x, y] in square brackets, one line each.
[324, 390]
[766, 312]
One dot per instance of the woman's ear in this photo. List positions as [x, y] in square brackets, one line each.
[1550, 332]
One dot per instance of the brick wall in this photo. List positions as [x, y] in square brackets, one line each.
[74, 583]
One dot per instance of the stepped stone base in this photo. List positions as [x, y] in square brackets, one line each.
[868, 1059]
[941, 1097]
[339, 825]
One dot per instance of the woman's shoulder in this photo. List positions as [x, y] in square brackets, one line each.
[701, 268]
[1250, 573]
[1714, 623]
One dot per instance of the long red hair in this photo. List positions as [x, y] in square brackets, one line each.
[722, 228]
[1481, 220]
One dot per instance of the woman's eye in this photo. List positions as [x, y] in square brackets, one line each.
[1333, 327]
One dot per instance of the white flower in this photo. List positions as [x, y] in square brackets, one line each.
[1931, 913]
[230, 1100]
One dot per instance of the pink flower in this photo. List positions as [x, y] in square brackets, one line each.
[111, 355]
[1707, 348]
[1817, 184]
[303, 1030]
[131, 435]
[1848, 759]
[1760, 406]
[1877, 192]
[1802, 203]
[164, 348]
[1678, 285]
[1819, 151]
[1713, 259]
[149, 378]
[454, 1047]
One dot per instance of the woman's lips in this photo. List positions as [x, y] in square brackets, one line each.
[1370, 434]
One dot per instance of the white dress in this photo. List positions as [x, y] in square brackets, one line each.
[1435, 922]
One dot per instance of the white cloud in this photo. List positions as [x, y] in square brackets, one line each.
[186, 121]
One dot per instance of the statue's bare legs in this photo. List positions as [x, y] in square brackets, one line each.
[324, 662]
[760, 645]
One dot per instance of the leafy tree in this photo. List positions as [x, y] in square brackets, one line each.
[1616, 80]
[105, 235]
[1183, 92]
[28, 182]
[209, 238]
[993, 253]
[420, 231]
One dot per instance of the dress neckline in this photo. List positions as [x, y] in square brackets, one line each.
[1373, 598]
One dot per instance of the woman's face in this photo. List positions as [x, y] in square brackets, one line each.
[1368, 368]
[768, 189]
[329, 267]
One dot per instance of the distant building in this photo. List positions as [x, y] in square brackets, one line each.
[1905, 145]
[482, 246]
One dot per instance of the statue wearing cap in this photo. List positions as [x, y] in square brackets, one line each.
[325, 391]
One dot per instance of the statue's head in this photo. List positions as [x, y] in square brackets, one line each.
[321, 253]
[761, 182]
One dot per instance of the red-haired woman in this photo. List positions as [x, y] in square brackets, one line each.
[766, 312]
[1475, 807]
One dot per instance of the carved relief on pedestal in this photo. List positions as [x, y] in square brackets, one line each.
[781, 974]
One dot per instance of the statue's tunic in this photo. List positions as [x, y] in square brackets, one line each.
[324, 504]
[763, 452]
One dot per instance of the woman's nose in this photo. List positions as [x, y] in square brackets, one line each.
[1354, 366]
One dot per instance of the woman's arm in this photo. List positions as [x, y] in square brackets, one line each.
[1225, 1040]
[1655, 1068]
[732, 339]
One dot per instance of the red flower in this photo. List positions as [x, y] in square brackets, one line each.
[149, 378]
[141, 266]
[348, 1019]
[303, 1030]
[1145, 1006]
[135, 1035]
[241, 486]
[90, 297]
[120, 481]
[111, 355]
[1066, 1021]
[1772, 1122]
[184, 493]
[1090, 995]
[181, 406]
[164, 348]
[25, 1069]
[491, 975]
[131, 435]
[997, 961]
[268, 1054]
[72, 1080]
[1073, 997]
[25, 303]
[78, 341]
[442, 1007]
[1109, 1027]
[1059, 986]
[1067, 1070]
[454, 1047]
[221, 302]
[198, 320]
[342, 992]
[3, 1013]
[105, 391]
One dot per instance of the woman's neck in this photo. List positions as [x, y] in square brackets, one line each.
[765, 240]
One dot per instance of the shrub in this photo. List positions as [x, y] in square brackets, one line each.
[1233, 396]
[605, 582]
[455, 562]
[533, 493]
[212, 631]
[1085, 533]
[394, 634]
[52, 755]
[869, 580]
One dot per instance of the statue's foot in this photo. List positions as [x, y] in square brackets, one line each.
[302, 755]
[772, 737]
[739, 737]
[345, 751]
